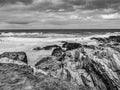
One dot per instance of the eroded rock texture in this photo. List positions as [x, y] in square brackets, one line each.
[17, 56]
[21, 77]
[73, 66]
[91, 67]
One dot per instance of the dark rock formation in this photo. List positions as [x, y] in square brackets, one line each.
[57, 52]
[108, 40]
[46, 47]
[50, 47]
[18, 56]
[89, 46]
[102, 40]
[37, 48]
[114, 38]
[71, 46]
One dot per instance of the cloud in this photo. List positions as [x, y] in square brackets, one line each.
[69, 5]
[101, 4]
[4, 2]
[51, 5]
[111, 16]
[66, 5]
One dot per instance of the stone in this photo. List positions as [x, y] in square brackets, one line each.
[37, 48]
[57, 52]
[50, 47]
[17, 56]
[71, 46]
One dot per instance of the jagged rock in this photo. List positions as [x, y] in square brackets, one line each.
[18, 56]
[104, 76]
[71, 46]
[108, 40]
[85, 80]
[82, 67]
[16, 77]
[57, 52]
[101, 40]
[20, 77]
[47, 64]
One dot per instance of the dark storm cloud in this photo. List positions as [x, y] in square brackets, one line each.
[95, 4]
[51, 5]
[69, 5]
[101, 4]
[4, 2]
[66, 4]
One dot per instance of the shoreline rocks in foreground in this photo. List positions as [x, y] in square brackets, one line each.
[72, 66]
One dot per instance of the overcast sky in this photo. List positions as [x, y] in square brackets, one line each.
[59, 14]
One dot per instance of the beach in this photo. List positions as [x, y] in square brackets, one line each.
[73, 58]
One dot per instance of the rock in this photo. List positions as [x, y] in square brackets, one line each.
[116, 44]
[43, 60]
[57, 52]
[101, 40]
[71, 46]
[114, 38]
[79, 67]
[50, 47]
[76, 56]
[47, 64]
[20, 77]
[17, 56]
[37, 48]
[108, 39]
[46, 47]
[89, 46]
[85, 80]
[102, 74]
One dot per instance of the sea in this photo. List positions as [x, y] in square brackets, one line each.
[35, 32]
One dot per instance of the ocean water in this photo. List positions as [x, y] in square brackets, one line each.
[66, 31]
[40, 33]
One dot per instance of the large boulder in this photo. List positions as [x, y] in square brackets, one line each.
[17, 56]
[47, 64]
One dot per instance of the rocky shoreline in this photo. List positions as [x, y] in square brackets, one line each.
[70, 66]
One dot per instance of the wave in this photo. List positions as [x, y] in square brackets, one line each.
[53, 34]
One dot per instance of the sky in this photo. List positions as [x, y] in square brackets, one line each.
[59, 14]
